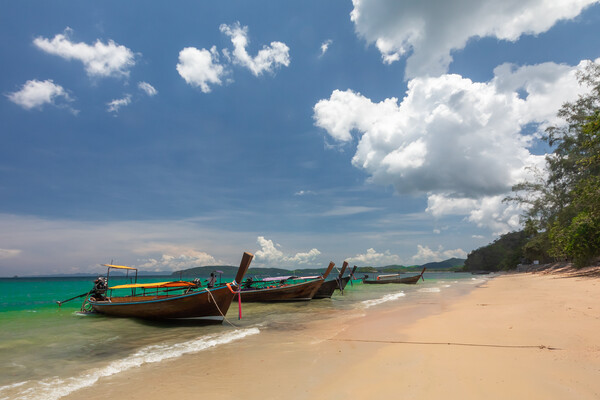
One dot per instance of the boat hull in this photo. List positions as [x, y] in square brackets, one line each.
[327, 288]
[411, 280]
[197, 305]
[345, 281]
[296, 292]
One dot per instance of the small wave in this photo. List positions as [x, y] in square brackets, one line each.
[384, 299]
[430, 290]
[55, 388]
[11, 386]
[475, 281]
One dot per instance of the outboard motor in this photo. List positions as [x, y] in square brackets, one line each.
[99, 288]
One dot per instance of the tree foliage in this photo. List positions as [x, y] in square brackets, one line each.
[505, 253]
[563, 218]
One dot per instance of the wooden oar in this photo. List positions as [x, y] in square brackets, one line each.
[72, 298]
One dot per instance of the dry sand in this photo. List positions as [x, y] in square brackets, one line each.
[519, 336]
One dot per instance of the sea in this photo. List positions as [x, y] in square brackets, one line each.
[48, 352]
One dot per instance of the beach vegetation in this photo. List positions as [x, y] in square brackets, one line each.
[563, 205]
[505, 253]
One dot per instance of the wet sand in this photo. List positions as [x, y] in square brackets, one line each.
[520, 336]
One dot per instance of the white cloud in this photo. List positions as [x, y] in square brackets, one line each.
[269, 254]
[493, 214]
[347, 210]
[325, 46]
[458, 142]
[185, 258]
[100, 59]
[147, 88]
[9, 253]
[428, 31]
[267, 59]
[304, 193]
[486, 212]
[375, 259]
[34, 94]
[201, 68]
[425, 254]
[115, 105]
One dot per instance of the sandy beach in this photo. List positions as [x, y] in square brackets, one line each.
[519, 336]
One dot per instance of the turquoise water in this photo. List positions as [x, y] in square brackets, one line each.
[47, 352]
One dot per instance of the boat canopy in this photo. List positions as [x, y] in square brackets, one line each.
[118, 266]
[309, 277]
[277, 278]
[155, 285]
[387, 276]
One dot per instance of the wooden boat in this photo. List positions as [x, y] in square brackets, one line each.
[168, 300]
[348, 278]
[395, 278]
[328, 287]
[280, 289]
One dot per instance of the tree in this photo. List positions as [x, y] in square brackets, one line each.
[564, 207]
[504, 253]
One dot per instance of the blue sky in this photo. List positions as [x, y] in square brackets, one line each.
[168, 136]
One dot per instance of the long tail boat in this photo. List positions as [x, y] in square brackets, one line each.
[166, 300]
[280, 289]
[394, 278]
[327, 288]
[348, 278]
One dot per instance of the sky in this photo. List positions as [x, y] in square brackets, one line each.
[174, 135]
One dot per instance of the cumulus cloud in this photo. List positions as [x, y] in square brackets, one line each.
[201, 68]
[269, 254]
[486, 212]
[428, 31]
[425, 254]
[453, 138]
[325, 46]
[147, 88]
[267, 59]
[375, 259]
[115, 105]
[34, 94]
[186, 258]
[100, 59]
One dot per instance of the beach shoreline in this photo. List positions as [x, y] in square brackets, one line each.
[528, 336]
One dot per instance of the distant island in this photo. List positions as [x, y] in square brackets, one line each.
[452, 264]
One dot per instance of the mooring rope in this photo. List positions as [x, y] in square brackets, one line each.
[449, 344]
[220, 312]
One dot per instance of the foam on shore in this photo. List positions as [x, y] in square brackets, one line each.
[55, 388]
[384, 299]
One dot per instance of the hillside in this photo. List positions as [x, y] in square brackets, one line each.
[229, 270]
[447, 264]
